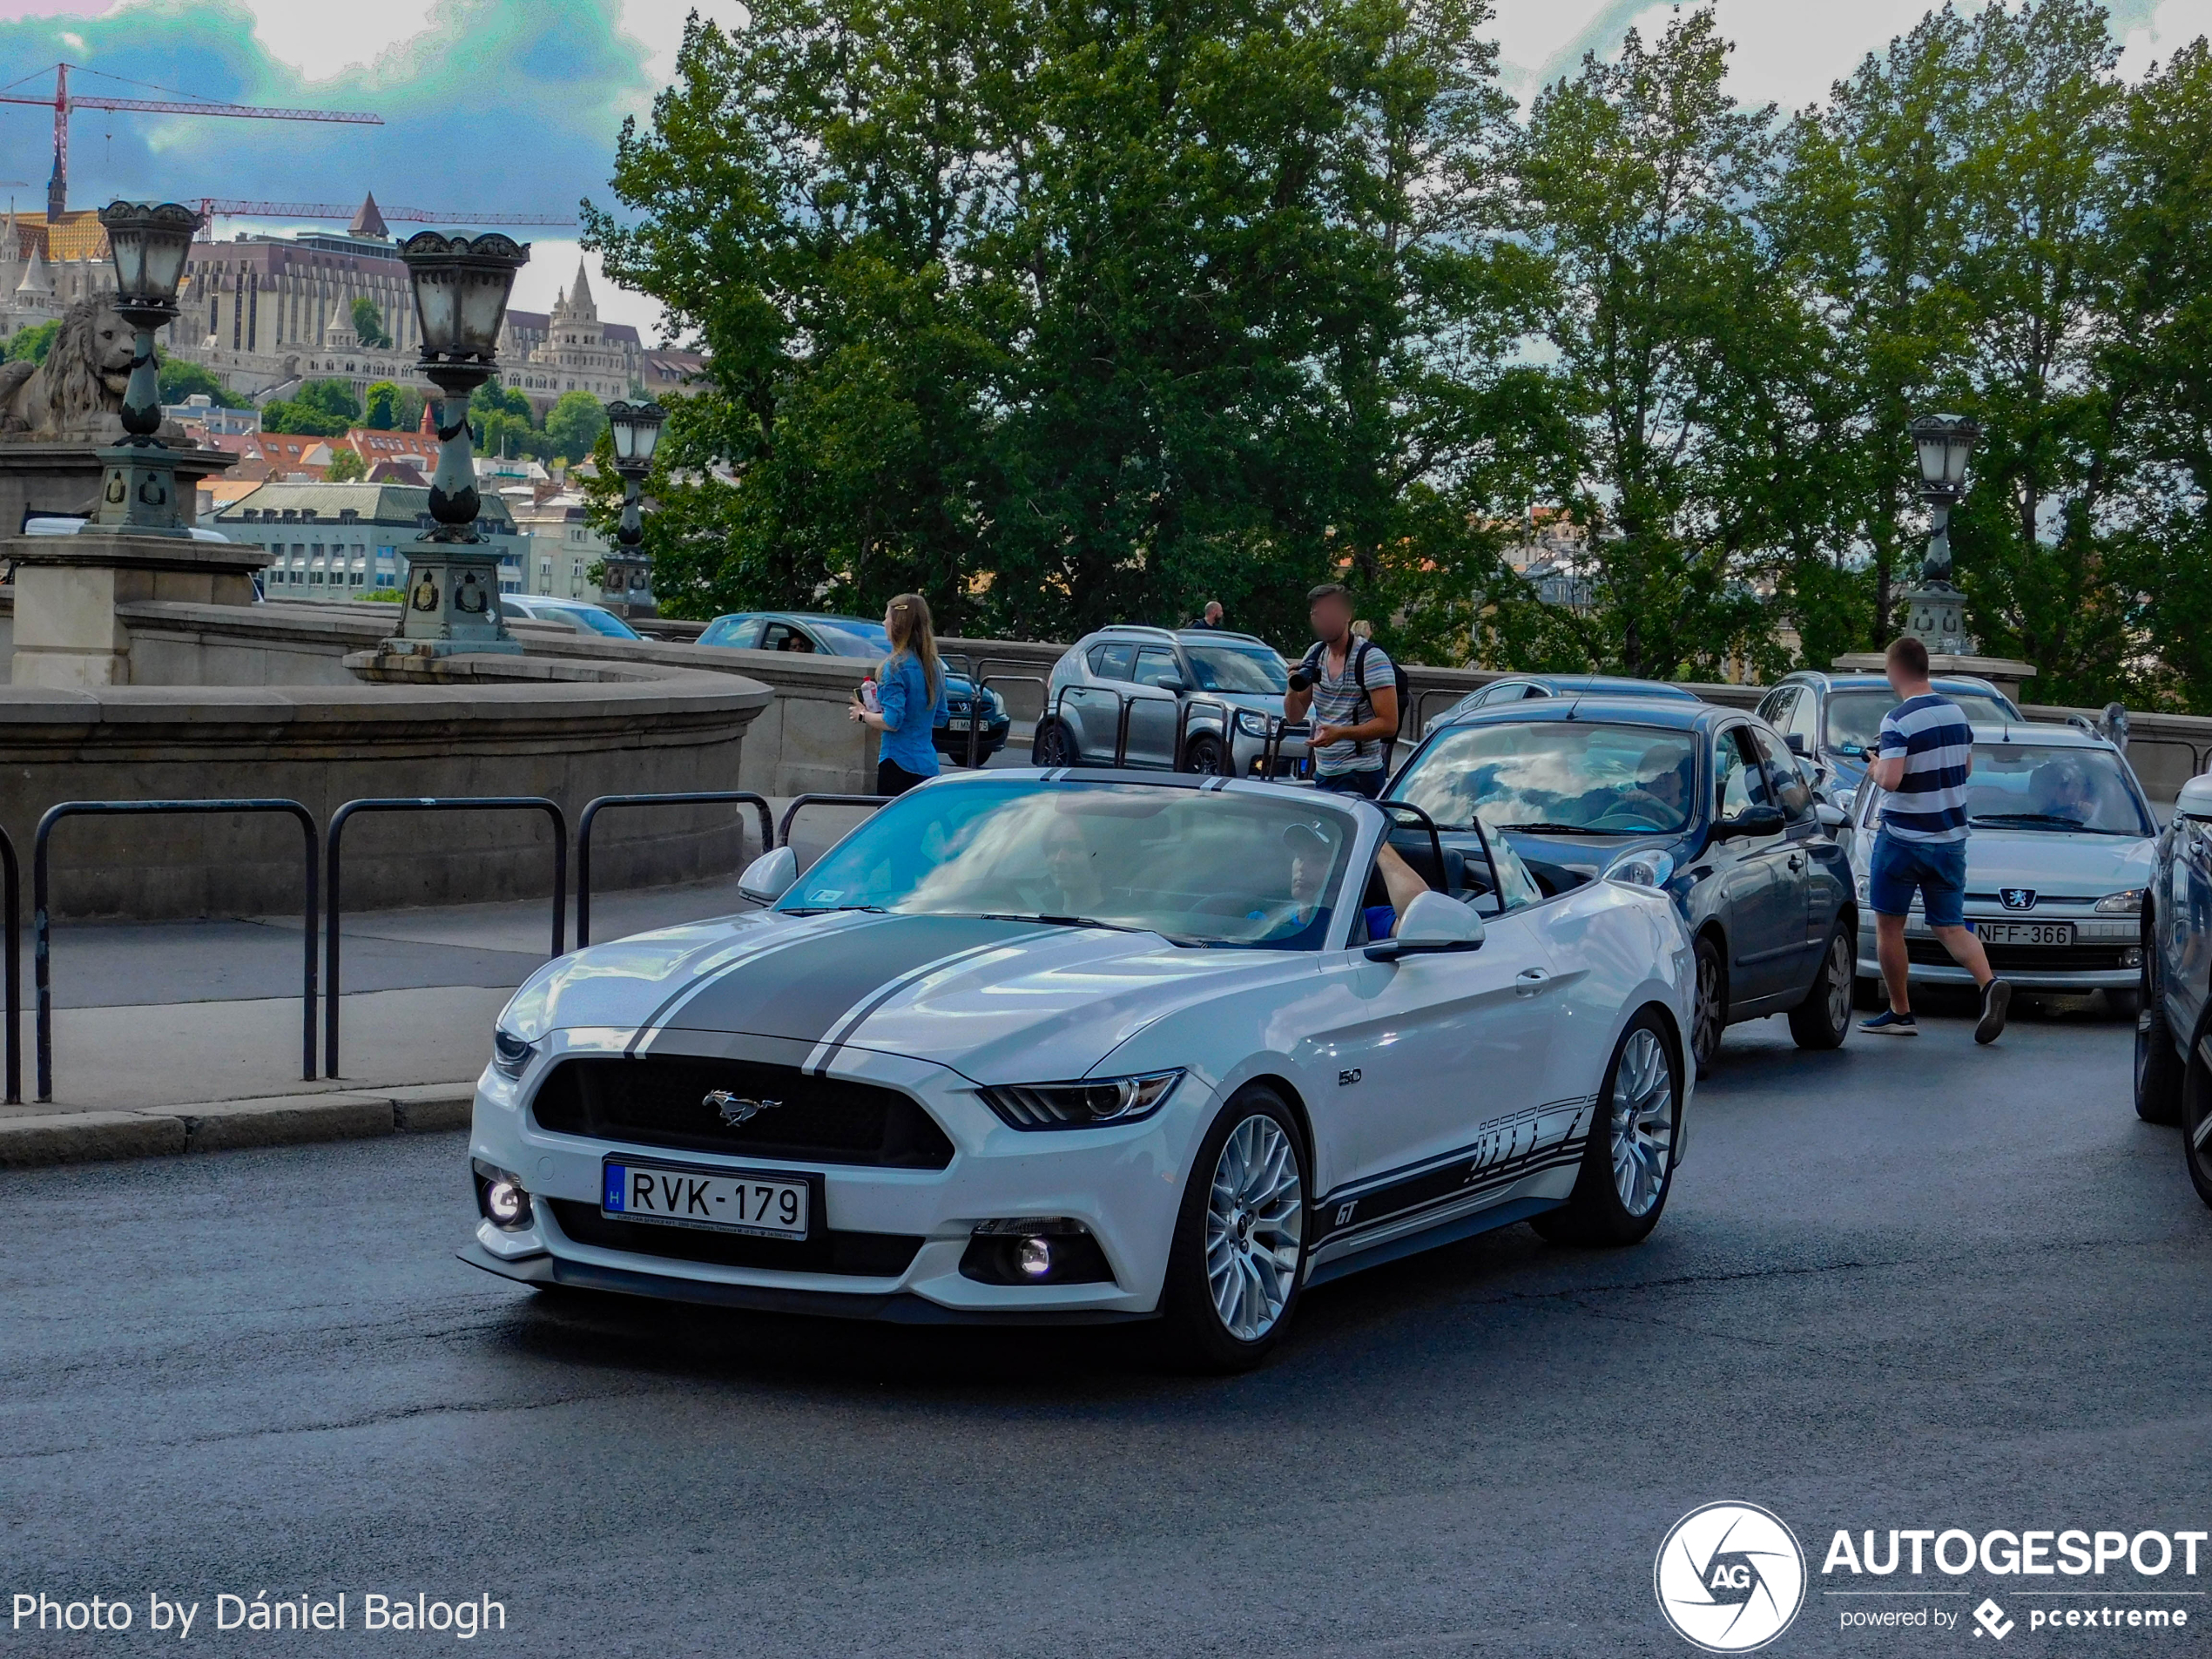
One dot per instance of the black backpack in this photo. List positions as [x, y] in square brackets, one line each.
[1310, 667]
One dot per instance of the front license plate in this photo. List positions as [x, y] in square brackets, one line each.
[769, 1206]
[2024, 933]
[958, 726]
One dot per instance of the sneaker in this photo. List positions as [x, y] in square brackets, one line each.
[1890, 1024]
[1996, 997]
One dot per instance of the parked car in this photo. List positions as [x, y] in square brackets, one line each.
[2173, 1076]
[579, 614]
[1160, 673]
[1106, 1047]
[2057, 862]
[1705, 801]
[1834, 719]
[813, 634]
[1523, 687]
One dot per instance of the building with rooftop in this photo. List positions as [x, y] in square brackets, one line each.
[337, 540]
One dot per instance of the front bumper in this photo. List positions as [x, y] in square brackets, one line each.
[1247, 754]
[2106, 955]
[953, 745]
[1124, 1185]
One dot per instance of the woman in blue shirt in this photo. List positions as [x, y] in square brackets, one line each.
[910, 696]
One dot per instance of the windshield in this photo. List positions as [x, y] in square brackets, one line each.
[1855, 717]
[600, 622]
[848, 636]
[1252, 669]
[1563, 775]
[2039, 786]
[1202, 868]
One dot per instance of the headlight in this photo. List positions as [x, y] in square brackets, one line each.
[1649, 868]
[1082, 1105]
[2128, 902]
[1865, 893]
[1252, 724]
[522, 1024]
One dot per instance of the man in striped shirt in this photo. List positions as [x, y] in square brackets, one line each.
[1926, 750]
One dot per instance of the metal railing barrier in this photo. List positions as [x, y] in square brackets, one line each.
[783, 830]
[1277, 729]
[41, 948]
[975, 706]
[1121, 717]
[1420, 705]
[11, 878]
[1182, 732]
[332, 842]
[690, 798]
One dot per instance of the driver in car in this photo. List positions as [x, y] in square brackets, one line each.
[2059, 789]
[1310, 857]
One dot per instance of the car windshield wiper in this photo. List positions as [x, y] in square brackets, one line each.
[1065, 922]
[2040, 820]
[829, 909]
[1573, 829]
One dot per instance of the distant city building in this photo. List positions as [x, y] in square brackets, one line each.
[545, 355]
[45, 266]
[562, 547]
[199, 416]
[334, 541]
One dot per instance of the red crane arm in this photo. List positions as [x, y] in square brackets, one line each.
[248, 112]
[211, 206]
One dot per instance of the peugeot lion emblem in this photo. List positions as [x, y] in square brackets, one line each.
[2017, 898]
[735, 1109]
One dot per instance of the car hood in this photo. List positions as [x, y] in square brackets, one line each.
[996, 1001]
[2053, 862]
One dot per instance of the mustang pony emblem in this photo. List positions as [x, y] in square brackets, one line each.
[736, 1108]
[2017, 898]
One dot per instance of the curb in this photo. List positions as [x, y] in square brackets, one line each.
[216, 1126]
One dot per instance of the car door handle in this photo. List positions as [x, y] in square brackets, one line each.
[1530, 981]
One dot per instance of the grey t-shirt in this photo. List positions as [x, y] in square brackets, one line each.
[1344, 700]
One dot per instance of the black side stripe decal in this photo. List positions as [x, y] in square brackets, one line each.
[1339, 1220]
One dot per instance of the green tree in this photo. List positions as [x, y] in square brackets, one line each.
[1636, 172]
[573, 424]
[368, 324]
[31, 345]
[381, 407]
[181, 380]
[325, 407]
[346, 467]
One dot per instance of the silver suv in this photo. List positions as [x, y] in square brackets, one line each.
[1157, 672]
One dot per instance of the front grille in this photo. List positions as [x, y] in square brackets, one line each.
[2048, 959]
[663, 1102]
[858, 1255]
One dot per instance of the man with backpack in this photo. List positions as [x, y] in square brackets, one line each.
[1353, 689]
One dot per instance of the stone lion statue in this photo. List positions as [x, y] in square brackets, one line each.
[76, 394]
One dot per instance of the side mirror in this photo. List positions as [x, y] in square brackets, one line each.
[1797, 742]
[1171, 683]
[2195, 799]
[1752, 822]
[1831, 817]
[770, 876]
[1432, 923]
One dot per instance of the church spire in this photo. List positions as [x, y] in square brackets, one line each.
[580, 296]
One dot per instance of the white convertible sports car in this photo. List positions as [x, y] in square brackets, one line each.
[1074, 1046]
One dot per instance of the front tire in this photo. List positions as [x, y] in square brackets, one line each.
[1628, 1160]
[1054, 744]
[2196, 1121]
[2158, 1067]
[1709, 1016]
[1823, 1020]
[1203, 755]
[1239, 1250]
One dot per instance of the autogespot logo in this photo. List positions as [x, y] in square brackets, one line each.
[1729, 1577]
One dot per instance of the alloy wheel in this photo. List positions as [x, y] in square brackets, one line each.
[1840, 969]
[1255, 1225]
[1705, 1018]
[1643, 1121]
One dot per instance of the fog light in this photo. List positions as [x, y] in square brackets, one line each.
[2132, 956]
[1034, 1249]
[1034, 1256]
[501, 1197]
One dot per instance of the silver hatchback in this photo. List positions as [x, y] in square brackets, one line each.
[1224, 690]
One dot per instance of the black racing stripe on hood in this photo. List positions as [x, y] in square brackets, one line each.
[802, 991]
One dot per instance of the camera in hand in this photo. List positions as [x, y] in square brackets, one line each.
[1300, 680]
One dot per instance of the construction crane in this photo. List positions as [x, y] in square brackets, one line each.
[211, 206]
[63, 101]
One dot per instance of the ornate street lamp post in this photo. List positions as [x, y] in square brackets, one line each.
[635, 430]
[461, 289]
[1934, 609]
[149, 245]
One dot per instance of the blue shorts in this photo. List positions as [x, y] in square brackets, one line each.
[1368, 783]
[1936, 869]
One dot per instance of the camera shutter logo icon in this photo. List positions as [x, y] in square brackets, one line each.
[1729, 1577]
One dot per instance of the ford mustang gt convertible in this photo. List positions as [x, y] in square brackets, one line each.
[1071, 1046]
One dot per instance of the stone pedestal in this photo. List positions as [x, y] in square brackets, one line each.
[1936, 613]
[452, 603]
[2004, 672]
[65, 479]
[68, 587]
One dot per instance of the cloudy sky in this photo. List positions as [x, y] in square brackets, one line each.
[513, 104]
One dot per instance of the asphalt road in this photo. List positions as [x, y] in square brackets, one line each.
[1910, 1285]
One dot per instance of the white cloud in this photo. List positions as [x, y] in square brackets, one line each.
[659, 25]
[2173, 25]
[320, 40]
